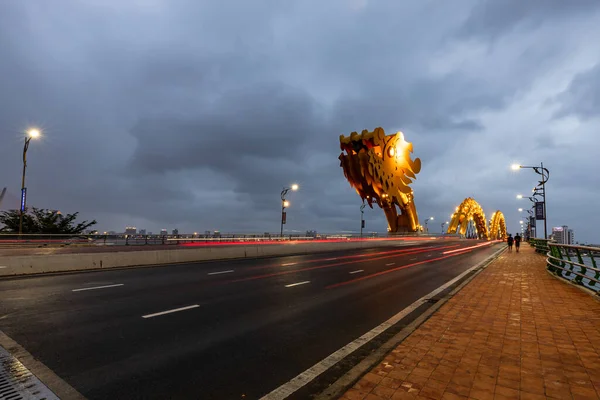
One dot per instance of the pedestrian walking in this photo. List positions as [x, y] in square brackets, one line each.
[517, 242]
[510, 240]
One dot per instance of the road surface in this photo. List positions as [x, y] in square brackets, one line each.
[218, 330]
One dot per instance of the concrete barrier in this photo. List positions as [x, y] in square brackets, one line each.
[40, 264]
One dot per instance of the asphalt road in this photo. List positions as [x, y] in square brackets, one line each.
[242, 328]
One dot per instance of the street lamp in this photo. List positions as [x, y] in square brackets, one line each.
[426, 221]
[520, 210]
[519, 196]
[443, 224]
[362, 218]
[545, 173]
[30, 134]
[285, 204]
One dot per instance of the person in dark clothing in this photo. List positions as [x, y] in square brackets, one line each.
[517, 242]
[510, 240]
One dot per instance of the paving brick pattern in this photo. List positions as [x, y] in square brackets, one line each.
[514, 332]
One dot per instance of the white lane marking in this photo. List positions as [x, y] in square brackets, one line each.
[307, 376]
[428, 255]
[97, 287]
[412, 259]
[296, 284]
[3, 266]
[387, 265]
[171, 311]
[220, 272]
[288, 264]
[357, 271]
[331, 259]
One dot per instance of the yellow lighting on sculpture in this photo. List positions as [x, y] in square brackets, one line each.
[380, 167]
[471, 211]
[286, 203]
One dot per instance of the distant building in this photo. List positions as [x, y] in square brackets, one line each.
[563, 235]
[150, 233]
[130, 230]
[175, 232]
[163, 232]
[142, 231]
[112, 232]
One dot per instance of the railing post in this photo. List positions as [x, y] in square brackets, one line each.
[592, 283]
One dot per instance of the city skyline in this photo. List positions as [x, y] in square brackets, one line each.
[201, 123]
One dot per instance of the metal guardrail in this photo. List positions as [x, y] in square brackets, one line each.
[541, 245]
[12, 240]
[577, 264]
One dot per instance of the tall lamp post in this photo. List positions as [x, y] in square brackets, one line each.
[426, 221]
[31, 134]
[541, 191]
[285, 204]
[362, 218]
[444, 224]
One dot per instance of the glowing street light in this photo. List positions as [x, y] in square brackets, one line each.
[520, 210]
[515, 167]
[426, 221]
[285, 203]
[519, 196]
[541, 190]
[32, 133]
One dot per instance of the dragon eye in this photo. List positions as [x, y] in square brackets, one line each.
[391, 152]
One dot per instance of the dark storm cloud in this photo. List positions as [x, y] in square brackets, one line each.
[270, 122]
[581, 98]
[492, 18]
[195, 114]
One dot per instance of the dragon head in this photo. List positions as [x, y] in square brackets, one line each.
[379, 167]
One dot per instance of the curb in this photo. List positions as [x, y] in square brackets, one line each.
[339, 387]
[56, 384]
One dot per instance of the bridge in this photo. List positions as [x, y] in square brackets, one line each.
[406, 315]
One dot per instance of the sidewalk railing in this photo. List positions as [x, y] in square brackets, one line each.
[541, 245]
[578, 264]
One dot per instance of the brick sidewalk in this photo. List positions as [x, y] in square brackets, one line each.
[514, 332]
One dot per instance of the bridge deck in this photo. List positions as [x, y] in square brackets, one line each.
[512, 332]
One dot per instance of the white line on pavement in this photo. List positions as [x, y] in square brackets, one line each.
[307, 376]
[331, 259]
[412, 259]
[97, 287]
[296, 284]
[357, 271]
[220, 272]
[387, 265]
[3, 266]
[288, 264]
[171, 311]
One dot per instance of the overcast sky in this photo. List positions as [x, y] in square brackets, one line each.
[194, 114]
